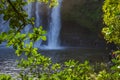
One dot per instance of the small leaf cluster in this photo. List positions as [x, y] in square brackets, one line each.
[38, 33]
[14, 13]
[5, 77]
[111, 18]
[76, 71]
[50, 3]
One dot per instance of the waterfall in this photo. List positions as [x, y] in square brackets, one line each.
[27, 28]
[29, 11]
[37, 21]
[3, 24]
[34, 10]
[54, 27]
[37, 14]
[4, 27]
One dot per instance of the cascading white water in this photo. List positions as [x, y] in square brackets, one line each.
[37, 21]
[37, 14]
[3, 24]
[29, 11]
[54, 27]
[4, 27]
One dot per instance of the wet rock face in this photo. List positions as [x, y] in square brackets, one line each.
[82, 14]
[81, 20]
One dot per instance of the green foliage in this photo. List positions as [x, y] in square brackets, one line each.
[5, 77]
[70, 70]
[14, 13]
[75, 71]
[103, 75]
[111, 17]
[52, 3]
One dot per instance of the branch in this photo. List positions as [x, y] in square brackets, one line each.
[19, 14]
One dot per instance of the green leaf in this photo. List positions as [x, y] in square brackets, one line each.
[17, 52]
[31, 44]
[43, 38]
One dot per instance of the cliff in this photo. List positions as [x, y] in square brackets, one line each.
[81, 20]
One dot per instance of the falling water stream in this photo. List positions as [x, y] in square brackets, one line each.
[54, 27]
[37, 14]
[28, 9]
[37, 21]
[4, 26]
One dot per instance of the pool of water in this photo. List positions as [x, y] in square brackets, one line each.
[77, 53]
[8, 58]
[63, 54]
